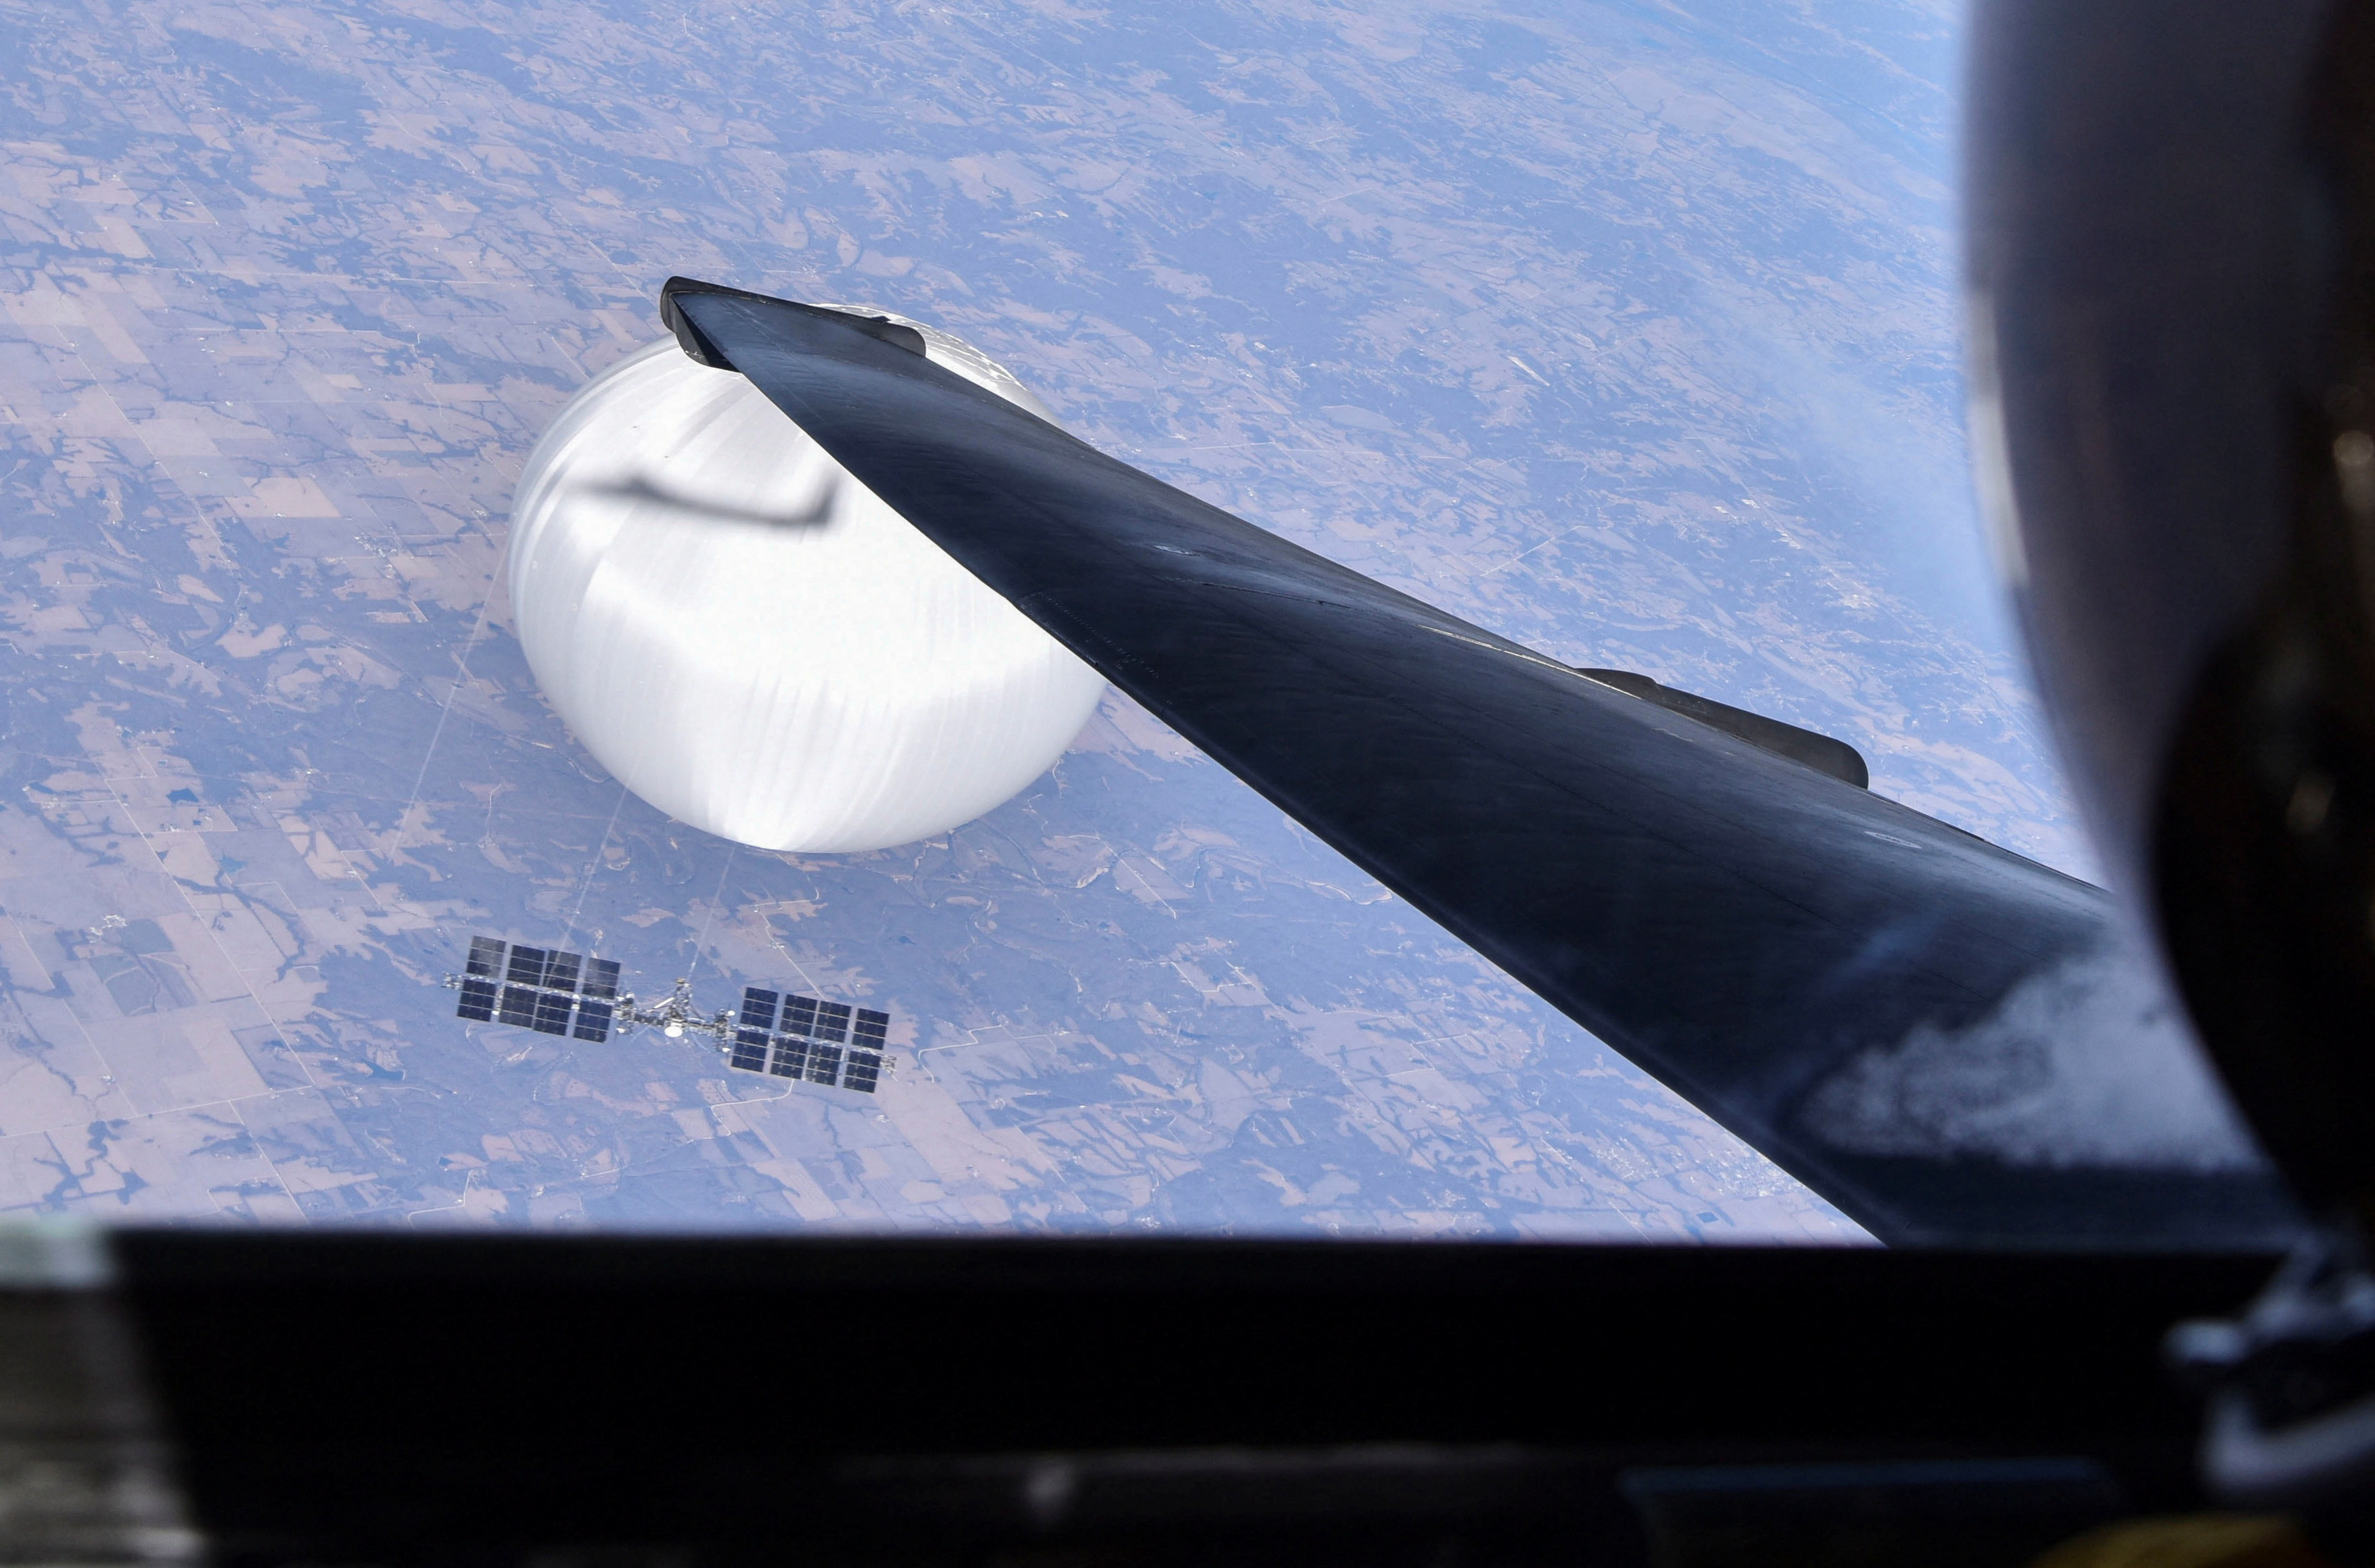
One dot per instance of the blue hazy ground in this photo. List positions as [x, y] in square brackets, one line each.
[1625, 330]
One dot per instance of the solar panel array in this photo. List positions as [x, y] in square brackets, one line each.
[804, 1038]
[567, 994]
[539, 988]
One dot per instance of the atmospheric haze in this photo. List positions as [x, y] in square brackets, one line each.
[1625, 330]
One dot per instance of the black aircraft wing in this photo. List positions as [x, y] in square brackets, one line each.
[1946, 1040]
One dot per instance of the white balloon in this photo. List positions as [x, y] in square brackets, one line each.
[754, 643]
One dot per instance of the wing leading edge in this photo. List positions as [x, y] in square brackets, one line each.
[1946, 1040]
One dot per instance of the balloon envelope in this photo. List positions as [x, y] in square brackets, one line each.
[754, 643]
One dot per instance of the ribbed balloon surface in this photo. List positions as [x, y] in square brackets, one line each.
[754, 643]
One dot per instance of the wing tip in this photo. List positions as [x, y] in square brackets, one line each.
[689, 337]
[701, 349]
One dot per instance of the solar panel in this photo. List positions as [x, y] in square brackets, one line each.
[749, 1051]
[824, 1062]
[544, 989]
[485, 962]
[478, 1000]
[517, 1005]
[791, 1057]
[758, 1008]
[864, 1069]
[800, 1015]
[831, 1021]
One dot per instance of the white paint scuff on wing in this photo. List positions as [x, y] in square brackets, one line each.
[2088, 1064]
